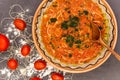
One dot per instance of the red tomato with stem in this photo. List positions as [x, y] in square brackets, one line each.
[35, 78]
[4, 43]
[57, 76]
[39, 64]
[12, 64]
[19, 24]
[25, 50]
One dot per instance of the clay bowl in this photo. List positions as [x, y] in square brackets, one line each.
[93, 64]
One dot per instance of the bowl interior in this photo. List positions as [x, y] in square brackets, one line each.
[112, 25]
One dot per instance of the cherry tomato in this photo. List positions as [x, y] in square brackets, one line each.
[57, 76]
[4, 43]
[25, 50]
[35, 78]
[39, 64]
[12, 64]
[20, 24]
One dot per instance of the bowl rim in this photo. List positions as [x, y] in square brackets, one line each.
[34, 36]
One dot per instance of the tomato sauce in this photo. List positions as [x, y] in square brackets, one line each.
[66, 30]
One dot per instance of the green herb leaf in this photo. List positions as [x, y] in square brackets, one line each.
[85, 12]
[70, 39]
[74, 19]
[78, 46]
[78, 41]
[53, 19]
[70, 44]
[73, 24]
[64, 25]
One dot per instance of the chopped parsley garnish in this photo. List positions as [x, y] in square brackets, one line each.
[70, 39]
[64, 25]
[78, 46]
[85, 12]
[78, 41]
[74, 19]
[72, 22]
[53, 19]
[70, 44]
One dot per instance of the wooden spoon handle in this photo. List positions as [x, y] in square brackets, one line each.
[111, 50]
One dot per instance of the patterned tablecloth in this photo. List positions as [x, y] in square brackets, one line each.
[25, 9]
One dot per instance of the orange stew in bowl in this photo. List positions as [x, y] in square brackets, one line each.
[66, 30]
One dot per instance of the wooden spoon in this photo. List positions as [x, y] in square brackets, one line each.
[96, 36]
